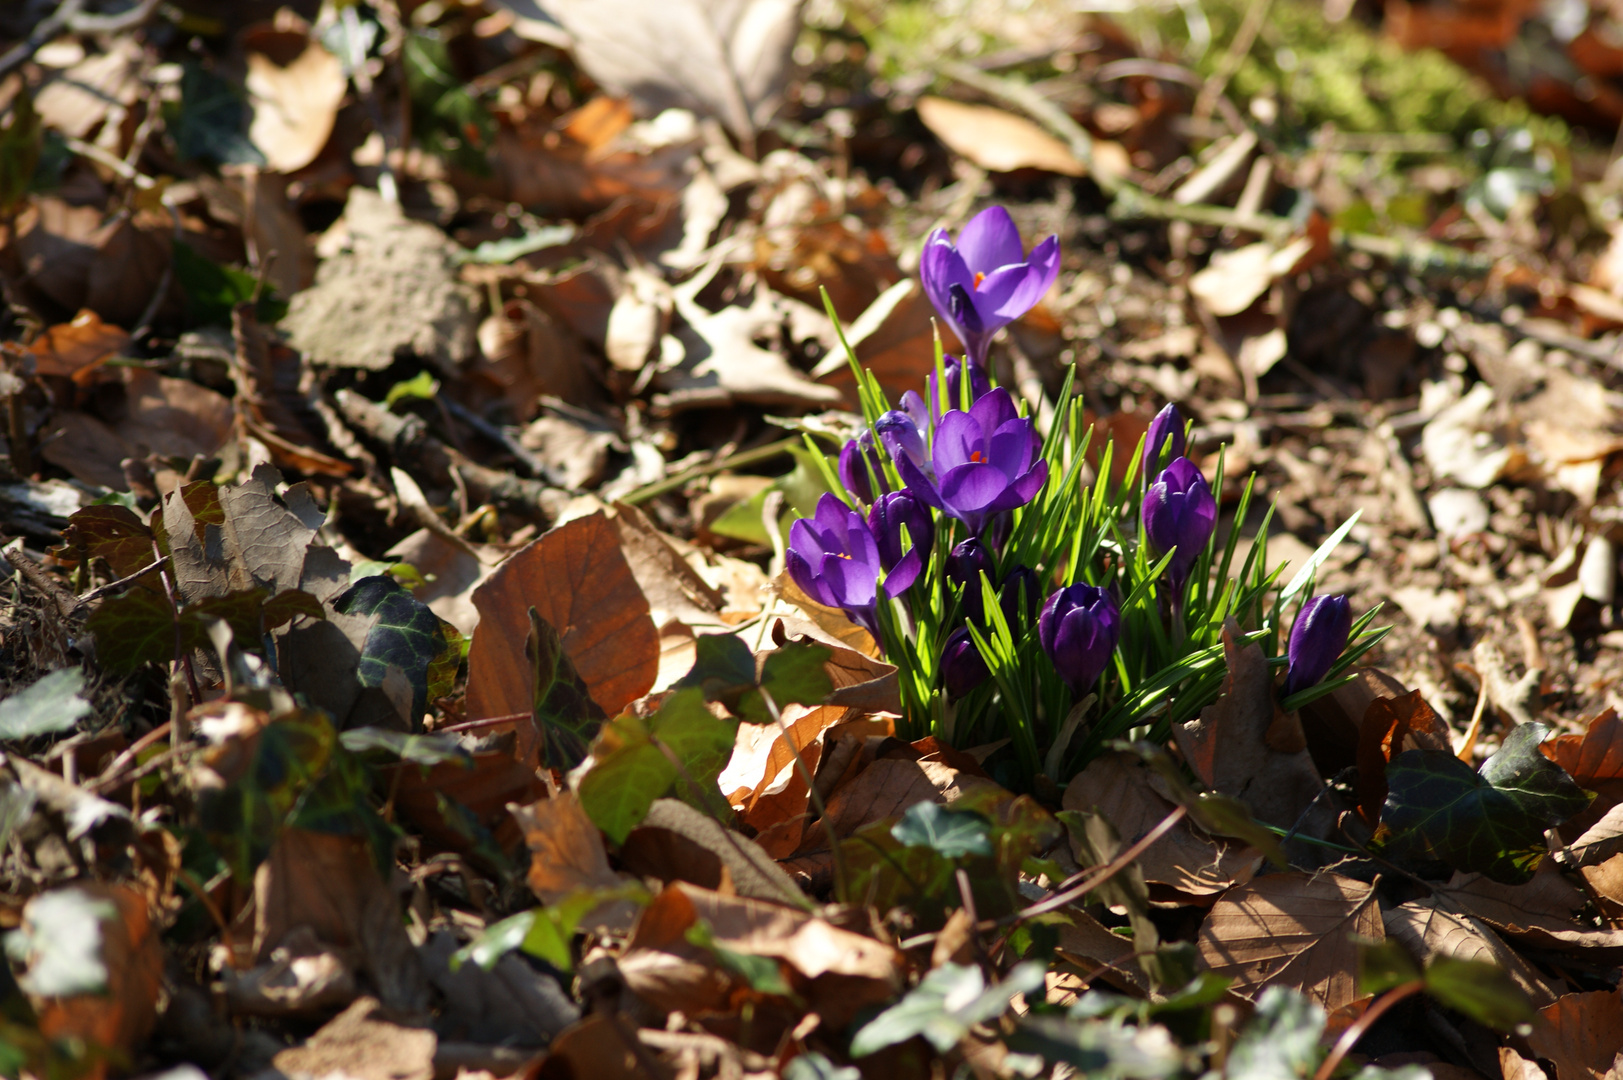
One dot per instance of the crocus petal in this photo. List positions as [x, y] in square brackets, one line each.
[940, 268]
[849, 583]
[1043, 269]
[830, 518]
[958, 439]
[996, 290]
[966, 317]
[1010, 448]
[970, 489]
[990, 240]
[806, 539]
[916, 410]
[804, 576]
[904, 573]
[901, 436]
[993, 411]
[1023, 489]
[917, 483]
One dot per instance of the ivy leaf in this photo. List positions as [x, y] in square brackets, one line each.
[50, 705]
[944, 1006]
[1100, 1049]
[242, 819]
[631, 768]
[132, 629]
[565, 713]
[1490, 822]
[406, 635]
[793, 674]
[113, 533]
[1281, 1042]
[952, 833]
[210, 120]
[425, 750]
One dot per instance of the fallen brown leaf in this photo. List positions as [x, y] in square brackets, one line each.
[295, 86]
[578, 580]
[1292, 929]
[1117, 785]
[1426, 930]
[996, 140]
[1392, 725]
[567, 856]
[76, 348]
[1231, 745]
[1581, 1034]
[357, 1044]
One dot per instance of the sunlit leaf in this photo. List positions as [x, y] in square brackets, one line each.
[564, 710]
[943, 1007]
[952, 833]
[1484, 992]
[61, 943]
[406, 635]
[50, 705]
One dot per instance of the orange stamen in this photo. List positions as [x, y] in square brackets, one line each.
[976, 456]
[979, 277]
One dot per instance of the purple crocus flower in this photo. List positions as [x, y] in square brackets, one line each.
[1165, 433]
[832, 556]
[1179, 512]
[857, 458]
[1079, 628]
[889, 514]
[1317, 638]
[983, 461]
[985, 280]
[965, 565]
[962, 666]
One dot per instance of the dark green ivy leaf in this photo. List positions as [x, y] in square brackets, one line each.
[211, 119]
[1490, 822]
[132, 629]
[426, 750]
[407, 635]
[213, 290]
[565, 713]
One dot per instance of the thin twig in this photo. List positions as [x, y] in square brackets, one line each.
[1356, 1029]
[1068, 892]
[114, 586]
[732, 461]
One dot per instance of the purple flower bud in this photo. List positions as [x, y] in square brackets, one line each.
[1317, 638]
[965, 565]
[1165, 434]
[1079, 628]
[1019, 598]
[979, 384]
[833, 558]
[854, 472]
[962, 666]
[1179, 513]
[986, 280]
[903, 439]
[887, 518]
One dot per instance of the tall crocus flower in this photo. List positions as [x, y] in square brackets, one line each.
[1317, 638]
[1165, 436]
[890, 515]
[903, 436]
[1079, 628]
[832, 556]
[1179, 512]
[986, 280]
[983, 461]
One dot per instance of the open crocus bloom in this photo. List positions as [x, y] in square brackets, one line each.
[985, 461]
[986, 281]
[833, 558]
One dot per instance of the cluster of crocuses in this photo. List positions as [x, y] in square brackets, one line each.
[965, 460]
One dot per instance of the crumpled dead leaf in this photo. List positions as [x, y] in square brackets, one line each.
[295, 86]
[996, 140]
[360, 1045]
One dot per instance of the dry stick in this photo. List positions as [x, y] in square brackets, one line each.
[1238, 49]
[1051, 116]
[1356, 1029]
[1068, 892]
[65, 602]
[841, 879]
[732, 461]
[114, 586]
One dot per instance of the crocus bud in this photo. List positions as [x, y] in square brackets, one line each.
[979, 384]
[890, 514]
[902, 438]
[1179, 513]
[1165, 434]
[1079, 628]
[1317, 638]
[965, 565]
[962, 667]
[1019, 597]
[854, 472]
